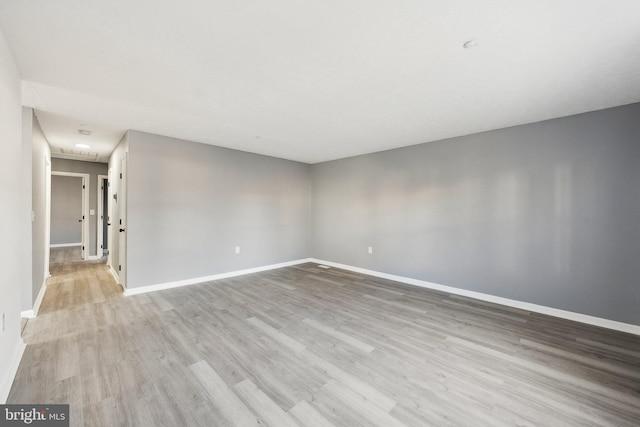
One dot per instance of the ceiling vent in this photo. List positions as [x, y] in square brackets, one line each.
[61, 153]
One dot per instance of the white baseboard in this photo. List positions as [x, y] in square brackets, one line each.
[43, 290]
[11, 372]
[30, 314]
[27, 314]
[196, 280]
[114, 274]
[65, 245]
[94, 257]
[569, 315]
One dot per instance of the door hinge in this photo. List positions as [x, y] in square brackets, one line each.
[83, 248]
[82, 216]
[120, 222]
[120, 175]
[83, 186]
[119, 268]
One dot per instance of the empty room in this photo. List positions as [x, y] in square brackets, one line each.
[377, 213]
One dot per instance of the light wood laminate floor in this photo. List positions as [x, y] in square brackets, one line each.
[315, 347]
[65, 254]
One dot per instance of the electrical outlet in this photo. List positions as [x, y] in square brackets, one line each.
[370, 250]
[237, 250]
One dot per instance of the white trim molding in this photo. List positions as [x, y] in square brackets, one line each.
[114, 274]
[30, 314]
[11, 372]
[563, 314]
[197, 280]
[43, 290]
[27, 314]
[65, 245]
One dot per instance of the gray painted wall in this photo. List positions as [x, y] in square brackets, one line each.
[12, 215]
[545, 213]
[93, 169]
[41, 154]
[190, 205]
[66, 209]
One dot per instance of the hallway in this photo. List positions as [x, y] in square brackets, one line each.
[69, 341]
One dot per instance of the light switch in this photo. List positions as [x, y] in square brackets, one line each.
[92, 211]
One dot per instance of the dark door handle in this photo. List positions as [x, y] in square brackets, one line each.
[79, 220]
[121, 230]
[108, 223]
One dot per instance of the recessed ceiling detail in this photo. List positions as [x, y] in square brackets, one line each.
[317, 80]
[86, 156]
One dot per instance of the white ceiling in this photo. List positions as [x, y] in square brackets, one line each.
[315, 81]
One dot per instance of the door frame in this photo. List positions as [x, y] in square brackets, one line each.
[100, 215]
[47, 215]
[122, 216]
[86, 179]
[110, 216]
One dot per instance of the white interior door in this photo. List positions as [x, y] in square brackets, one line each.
[103, 204]
[122, 226]
[84, 221]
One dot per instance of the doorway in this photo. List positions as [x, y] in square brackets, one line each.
[69, 225]
[102, 242]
